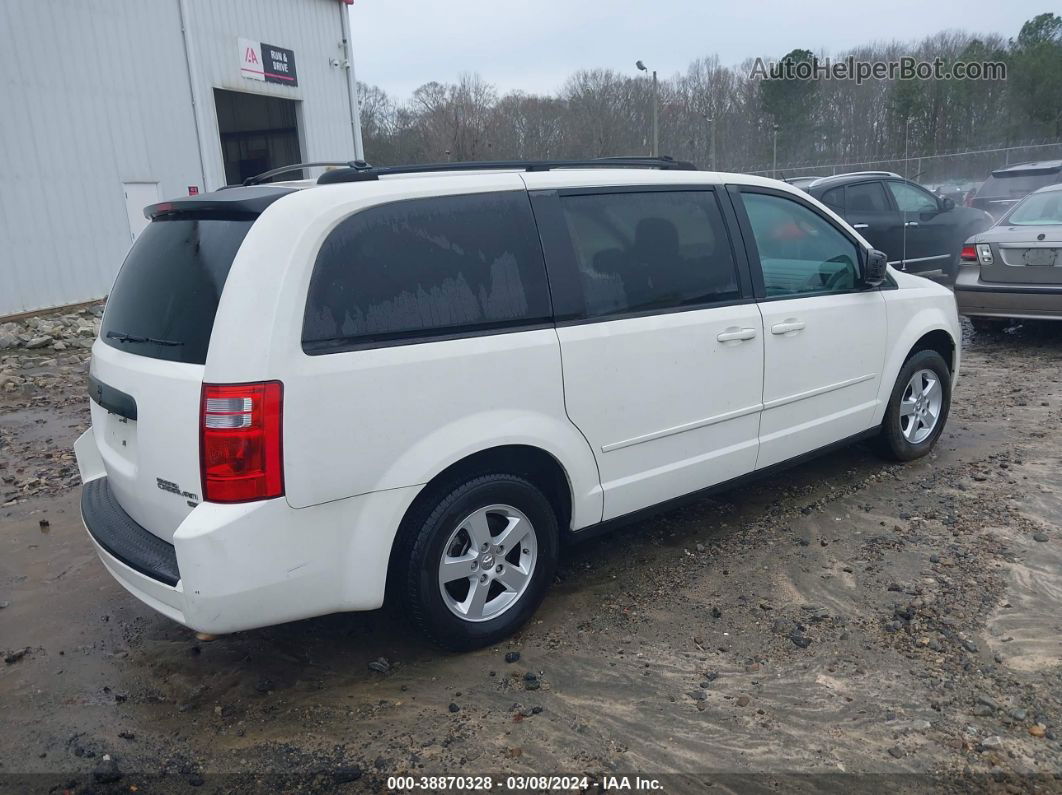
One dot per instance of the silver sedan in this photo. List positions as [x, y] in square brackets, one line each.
[1014, 269]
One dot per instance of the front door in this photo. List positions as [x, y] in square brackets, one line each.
[660, 338]
[928, 232]
[824, 336]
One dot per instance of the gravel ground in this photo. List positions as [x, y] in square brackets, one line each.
[850, 625]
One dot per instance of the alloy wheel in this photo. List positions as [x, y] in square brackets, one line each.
[487, 563]
[920, 406]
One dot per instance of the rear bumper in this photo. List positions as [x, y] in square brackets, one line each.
[237, 567]
[997, 299]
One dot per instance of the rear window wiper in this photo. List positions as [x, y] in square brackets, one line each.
[123, 337]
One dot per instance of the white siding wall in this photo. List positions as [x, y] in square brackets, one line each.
[95, 93]
[313, 30]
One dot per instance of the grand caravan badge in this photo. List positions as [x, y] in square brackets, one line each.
[173, 488]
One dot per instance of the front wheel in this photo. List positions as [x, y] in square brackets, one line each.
[477, 560]
[918, 407]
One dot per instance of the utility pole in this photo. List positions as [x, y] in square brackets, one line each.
[655, 151]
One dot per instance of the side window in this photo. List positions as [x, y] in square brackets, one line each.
[834, 199]
[911, 199]
[423, 267]
[800, 252]
[867, 197]
[653, 250]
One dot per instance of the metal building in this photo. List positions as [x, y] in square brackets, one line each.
[111, 105]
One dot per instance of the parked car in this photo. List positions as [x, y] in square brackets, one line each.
[308, 396]
[917, 231]
[1005, 187]
[1014, 269]
[956, 191]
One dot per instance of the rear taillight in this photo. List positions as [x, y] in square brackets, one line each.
[241, 455]
[969, 254]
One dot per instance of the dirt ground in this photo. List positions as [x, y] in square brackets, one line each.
[850, 625]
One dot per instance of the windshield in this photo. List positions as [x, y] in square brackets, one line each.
[1039, 209]
[164, 300]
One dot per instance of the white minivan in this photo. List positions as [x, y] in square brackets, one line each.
[418, 382]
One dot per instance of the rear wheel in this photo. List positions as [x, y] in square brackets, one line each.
[918, 407]
[477, 559]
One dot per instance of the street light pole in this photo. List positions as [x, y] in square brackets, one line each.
[774, 162]
[656, 138]
[711, 143]
[654, 152]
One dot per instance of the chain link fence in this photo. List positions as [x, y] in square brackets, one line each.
[963, 169]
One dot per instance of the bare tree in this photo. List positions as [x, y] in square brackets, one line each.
[600, 112]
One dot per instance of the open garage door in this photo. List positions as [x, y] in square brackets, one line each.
[257, 133]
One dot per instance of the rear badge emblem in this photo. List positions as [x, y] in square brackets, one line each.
[173, 488]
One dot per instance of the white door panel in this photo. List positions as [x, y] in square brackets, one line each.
[823, 360]
[669, 403]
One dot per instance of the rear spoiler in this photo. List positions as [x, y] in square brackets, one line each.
[245, 202]
[1026, 171]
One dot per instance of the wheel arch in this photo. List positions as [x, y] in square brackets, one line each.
[938, 340]
[537, 465]
[531, 462]
[930, 328]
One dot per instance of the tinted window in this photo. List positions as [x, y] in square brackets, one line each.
[911, 199]
[654, 250]
[164, 300]
[799, 251]
[867, 197]
[436, 266]
[834, 199]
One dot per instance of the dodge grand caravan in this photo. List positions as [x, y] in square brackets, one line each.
[418, 382]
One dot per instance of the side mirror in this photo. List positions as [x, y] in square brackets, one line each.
[874, 272]
[947, 204]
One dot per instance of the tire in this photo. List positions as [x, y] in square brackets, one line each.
[446, 522]
[897, 440]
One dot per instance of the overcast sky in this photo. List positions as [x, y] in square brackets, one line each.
[534, 46]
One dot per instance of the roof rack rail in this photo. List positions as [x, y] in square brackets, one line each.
[360, 172]
[821, 180]
[257, 179]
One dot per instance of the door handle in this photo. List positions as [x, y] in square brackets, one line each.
[911, 223]
[790, 326]
[736, 335]
[861, 226]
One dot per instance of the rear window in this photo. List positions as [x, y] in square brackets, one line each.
[834, 199]
[1015, 187]
[423, 268]
[867, 197]
[166, 295]
[1040, 209]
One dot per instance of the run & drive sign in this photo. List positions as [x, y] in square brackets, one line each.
[261, 61]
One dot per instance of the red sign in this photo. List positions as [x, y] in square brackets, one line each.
[193, 190]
